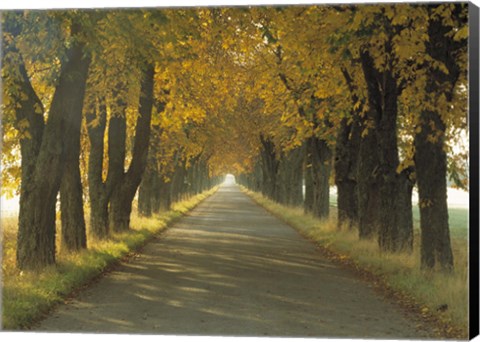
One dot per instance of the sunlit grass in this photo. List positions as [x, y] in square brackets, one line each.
[400, 272]
[27, 295]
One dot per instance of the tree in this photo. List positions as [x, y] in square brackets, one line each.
[347, 159]
[98, 193]
[74, 236]
[446, 45]
[43, 155]
[123, 194]
[372, 38]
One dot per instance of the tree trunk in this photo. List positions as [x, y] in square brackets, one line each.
[346, 159]
[290, 178]
[45, 151]
[404, 208]
[96, 125]
[308, 178]
[431, 166]
[164, 194]
[155, 196]
[145, 194]
[389, 233]
[74, 236]
[122, 196]
[320, 156]
[383, 112]
[345, 165]
[31, 134]
[368, 195]
[257, 177]
[269, 168]
[178, 181]
[430, 156]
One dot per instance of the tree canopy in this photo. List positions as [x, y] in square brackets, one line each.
[336, 93]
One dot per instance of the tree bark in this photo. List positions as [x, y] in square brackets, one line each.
[269, 168]
[290, 178]
[405, 185]
[74, 236]
[431, 166]
[30, 110]
[345, 166]
[430, 156]
[122, 196]
[164, 193]
[368, 195]
[146, 192]
[346, 159]
[319, 157]
[383, 112]
[42, 175]
[308, 179]
[96, 125]
[177, 188]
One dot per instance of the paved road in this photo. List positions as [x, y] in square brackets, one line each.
[230, 268]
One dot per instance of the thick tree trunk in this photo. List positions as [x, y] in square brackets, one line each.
[164, 194]
[155, 196]
[269, 168]
[150, 186]
[203, 176]
[393, 227]
[308, 179]
[122, 196]
[283, 179]
[346, 159]
[290, 178]
[257, 177]
[74, 235]
[96, 125]
[146, 192]
[404, 208]
[390, 229]
[319, 165]
[31, 134]
[177, 187]
[193, 175]
[431, 165]
[42, 174]
[345, 165]
[368, 195]
[430, 156]
[322, 179]
[147, 189]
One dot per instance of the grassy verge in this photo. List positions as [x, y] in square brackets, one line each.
[27, 296]
[427, 293]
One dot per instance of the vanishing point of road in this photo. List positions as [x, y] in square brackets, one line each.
[230, 268]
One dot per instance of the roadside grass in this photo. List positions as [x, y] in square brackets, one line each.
[27, 296]
[423, 291]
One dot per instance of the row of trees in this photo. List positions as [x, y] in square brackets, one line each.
[377, 95]
[165, 101]
[87, 109]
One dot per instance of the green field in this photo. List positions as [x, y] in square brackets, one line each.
[457, 218]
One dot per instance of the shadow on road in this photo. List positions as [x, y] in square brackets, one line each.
[230, 268]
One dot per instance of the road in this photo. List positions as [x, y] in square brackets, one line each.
[230, 268]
